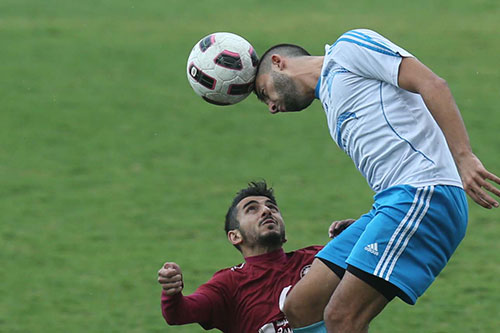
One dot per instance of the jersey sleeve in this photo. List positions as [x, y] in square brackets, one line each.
[368, 54]
[208, 305]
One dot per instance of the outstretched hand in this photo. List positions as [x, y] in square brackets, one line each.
[338, 226]
[474, 179]
[170, 278]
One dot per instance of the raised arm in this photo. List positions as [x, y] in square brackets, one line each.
[416, 77]
[176, 308]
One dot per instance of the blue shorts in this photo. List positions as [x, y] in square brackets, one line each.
[407, 238]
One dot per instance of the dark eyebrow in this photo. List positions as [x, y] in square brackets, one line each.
[249, 203]
[272, 203]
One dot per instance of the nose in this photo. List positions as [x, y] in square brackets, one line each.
[272, 107]
[266, 211]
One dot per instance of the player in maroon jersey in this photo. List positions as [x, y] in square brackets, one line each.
[247, 297]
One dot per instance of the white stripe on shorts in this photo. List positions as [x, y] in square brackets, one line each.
[410, 221]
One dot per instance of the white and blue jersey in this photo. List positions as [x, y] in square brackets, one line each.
[420, 211]
[387, 131]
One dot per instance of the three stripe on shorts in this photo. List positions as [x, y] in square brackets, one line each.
[400, 238]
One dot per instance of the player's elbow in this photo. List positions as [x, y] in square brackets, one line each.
[171, 320]
[439, 83]
[435, 85]
[170, 317]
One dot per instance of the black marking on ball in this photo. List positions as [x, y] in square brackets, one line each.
[204, 79]
[206, 42]
[211, 101]
[254, 57]
[229, 60]
[240, 89]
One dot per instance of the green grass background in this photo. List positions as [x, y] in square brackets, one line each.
[111, 165]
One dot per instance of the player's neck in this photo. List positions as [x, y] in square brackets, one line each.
[258, 250]
[307, 70]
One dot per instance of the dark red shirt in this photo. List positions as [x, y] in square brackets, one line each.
[244, 298]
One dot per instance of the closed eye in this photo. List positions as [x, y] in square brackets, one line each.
[272, 207]
[251, 208]
[262, 95]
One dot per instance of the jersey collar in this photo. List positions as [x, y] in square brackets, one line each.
[316, 91]
[275, 256]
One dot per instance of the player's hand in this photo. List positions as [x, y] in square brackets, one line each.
[170, 278]
[338, 226]
[474, 179]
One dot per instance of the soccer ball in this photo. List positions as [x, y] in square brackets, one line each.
[221, 68]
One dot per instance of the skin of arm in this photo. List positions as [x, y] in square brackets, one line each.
[416, 77]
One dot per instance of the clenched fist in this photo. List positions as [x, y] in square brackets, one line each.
[170, 278]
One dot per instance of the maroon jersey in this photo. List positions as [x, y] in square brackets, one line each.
[245, 298]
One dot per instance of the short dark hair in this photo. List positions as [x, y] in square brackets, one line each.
[255, 188]
[287, 50]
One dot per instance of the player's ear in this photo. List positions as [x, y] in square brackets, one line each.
[278, 61]
[234, 236]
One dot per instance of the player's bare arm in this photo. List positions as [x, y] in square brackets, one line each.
[170, 278]
[416, 77]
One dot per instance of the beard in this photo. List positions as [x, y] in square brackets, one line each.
[271, 238]
[288, 91]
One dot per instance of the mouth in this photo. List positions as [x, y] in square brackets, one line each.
[268, 220]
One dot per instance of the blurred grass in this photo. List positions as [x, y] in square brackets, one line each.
[110, 165]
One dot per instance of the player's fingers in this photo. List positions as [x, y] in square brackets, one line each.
[343, 224]
[481, 183]
[332, 230]
[174, 278]
[477, 198]
[487, 199]
[172, 265]
[169, 285]
[491, 188]
[172, 291]
[491, 176]
[168, 272]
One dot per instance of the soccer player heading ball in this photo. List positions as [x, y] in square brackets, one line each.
[399, 123]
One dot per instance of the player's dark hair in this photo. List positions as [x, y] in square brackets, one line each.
[287, 50]
[259, 189]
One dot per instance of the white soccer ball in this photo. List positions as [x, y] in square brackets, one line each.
[221, 68]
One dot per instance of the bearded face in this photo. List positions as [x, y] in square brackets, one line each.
[287, 92]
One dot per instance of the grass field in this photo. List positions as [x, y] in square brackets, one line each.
[111, 165]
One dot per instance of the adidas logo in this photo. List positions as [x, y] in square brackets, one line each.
[372, 248]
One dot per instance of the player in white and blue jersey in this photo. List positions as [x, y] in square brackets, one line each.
[399, 123]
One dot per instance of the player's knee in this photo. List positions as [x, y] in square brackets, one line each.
[302, 311]
[338, 317]
[332, 314]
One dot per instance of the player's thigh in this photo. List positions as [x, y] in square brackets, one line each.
[306, 301]
[354, 300]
